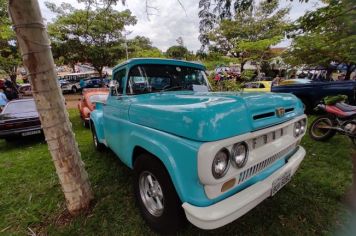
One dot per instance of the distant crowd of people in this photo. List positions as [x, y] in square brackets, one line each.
[8, 91]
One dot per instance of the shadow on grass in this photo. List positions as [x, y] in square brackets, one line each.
[22, 142]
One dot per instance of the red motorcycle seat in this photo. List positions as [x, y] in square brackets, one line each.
[345, 107]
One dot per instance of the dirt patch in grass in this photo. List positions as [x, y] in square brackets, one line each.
[72, 100]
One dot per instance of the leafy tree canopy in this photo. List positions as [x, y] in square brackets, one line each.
[141, 46]
[212, 11]
[177, 52]
[90, 35]
[9, 56]
[251, 32]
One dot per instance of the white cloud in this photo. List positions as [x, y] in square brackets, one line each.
[172, 21]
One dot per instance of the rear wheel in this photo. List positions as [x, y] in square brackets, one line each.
[320, 128]
[158, 201]
[98, 146]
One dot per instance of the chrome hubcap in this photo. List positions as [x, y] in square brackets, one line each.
[151, 193]
[95, 140]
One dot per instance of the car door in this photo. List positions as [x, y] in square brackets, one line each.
[116, 114]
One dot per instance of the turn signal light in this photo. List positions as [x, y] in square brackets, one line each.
[227, 185]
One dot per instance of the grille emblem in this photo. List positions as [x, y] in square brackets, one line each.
[280, 111]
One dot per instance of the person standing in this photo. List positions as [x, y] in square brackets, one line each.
[11, 91]
[3, 100]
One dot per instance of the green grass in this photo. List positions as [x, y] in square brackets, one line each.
[31, 199]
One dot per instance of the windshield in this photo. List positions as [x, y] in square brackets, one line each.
[20, 107]
[98, 98]
[158, 78]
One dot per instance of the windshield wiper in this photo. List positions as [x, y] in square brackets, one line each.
[171, 88]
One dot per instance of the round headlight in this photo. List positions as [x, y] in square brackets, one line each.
[297, 128]
[220, 163]
[303, 124]
[239, 155]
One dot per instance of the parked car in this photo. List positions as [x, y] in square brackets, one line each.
[295, 81]
[25, 90]
[65, 86]
[95, 82]
[209, 157]
[19, 119]
[312, 93]
[88, 100]
[258, 86]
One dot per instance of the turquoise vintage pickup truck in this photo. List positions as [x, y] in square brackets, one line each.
[209, 157]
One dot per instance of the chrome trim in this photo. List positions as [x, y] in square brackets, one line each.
[253, 170]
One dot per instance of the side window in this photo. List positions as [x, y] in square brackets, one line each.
[119, 77]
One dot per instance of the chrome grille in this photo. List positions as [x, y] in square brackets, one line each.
[248, 173]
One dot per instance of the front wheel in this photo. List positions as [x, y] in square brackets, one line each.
[320, 128]
[156, 196]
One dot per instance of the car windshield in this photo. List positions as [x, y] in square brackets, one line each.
[20, 107]
[98, 98]
[158, 78]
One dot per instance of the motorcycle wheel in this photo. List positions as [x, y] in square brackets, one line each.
[322, 134]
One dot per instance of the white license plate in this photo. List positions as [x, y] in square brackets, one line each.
[31, 133]
[280, 182]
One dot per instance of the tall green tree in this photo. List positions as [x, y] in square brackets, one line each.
[251, 32]
[9, 56]
[89, 35]
[177, 52]
[34, 43]
[141, 46]
[212, 11]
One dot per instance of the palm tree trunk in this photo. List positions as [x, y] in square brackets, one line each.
[37, 57]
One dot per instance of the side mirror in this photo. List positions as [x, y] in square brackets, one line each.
[114, 84]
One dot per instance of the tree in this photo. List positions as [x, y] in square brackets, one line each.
[37, 58]
[251, 32]
[177, 52]
[324, 36]
[9, 57]
[94, 35]
[213, 11]
[141, 46]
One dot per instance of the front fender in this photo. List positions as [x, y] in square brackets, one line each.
[177, 154]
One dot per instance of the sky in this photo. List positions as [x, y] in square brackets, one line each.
[171, 21]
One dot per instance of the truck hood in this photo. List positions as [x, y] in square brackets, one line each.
[211, 116]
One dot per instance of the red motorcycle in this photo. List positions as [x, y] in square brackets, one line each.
[340, 118]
